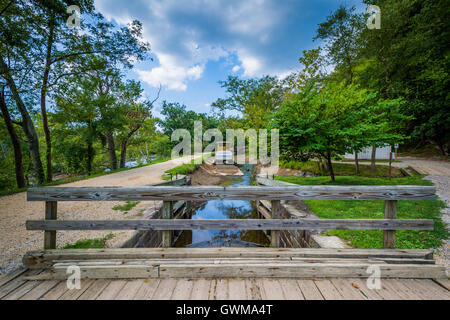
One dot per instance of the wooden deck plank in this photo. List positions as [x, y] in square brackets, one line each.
[12, 275]
[56, 292]
[410, 294]
[361, 285]
[237, 289]
[95, 289]
[74, 294]
[309, 289]
[16, 282]
[147, 290]
[253, 291]
[183, 289]
[328, 290]
[271, 289]
[433, 288]
[40, 290]
[129, 290]
[111, 290]
[201, 289]
[387, 292]
[445, 283]
[291, 290]
[347, 290]
[221, 289]
[165, 289]
[21, 291]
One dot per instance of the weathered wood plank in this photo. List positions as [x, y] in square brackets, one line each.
[95, 289]
[50, 214]
[74, 294]
[182, 289]
[165, 289]
[244, 270]
[234, 224]
[44, 258]
[147, 289]
[201, 289]
[167, 213]
[347, 290]
[21, 291]
[56, 292]
[291, 289]
[12, 275]
[40, 290]
[270, 289]
[390, 212]
[221, 291]
[328, 290]
[129, 290]
[237, 290]
[111, 290]
[170, 193]
[309, 289]
[276, 214]
[16, 282]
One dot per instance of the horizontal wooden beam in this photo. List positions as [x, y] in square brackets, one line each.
[170, 193]
[42, 258]
[233, 224]
[242, 269]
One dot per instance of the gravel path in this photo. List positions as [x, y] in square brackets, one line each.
[15, 240]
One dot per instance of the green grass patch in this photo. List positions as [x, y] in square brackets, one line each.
[230, 181]
[127, 206]
[341, 169]
[368, 209]
[96, 243]
[184, 169]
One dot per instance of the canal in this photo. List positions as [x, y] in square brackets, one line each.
[226, 209]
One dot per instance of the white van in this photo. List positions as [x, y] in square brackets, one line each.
[223, 153]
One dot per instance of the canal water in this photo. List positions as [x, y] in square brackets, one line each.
[226, 209]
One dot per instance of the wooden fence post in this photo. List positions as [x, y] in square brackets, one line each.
[50, 214]
[390, 212]
[275, 234]
[167, 213]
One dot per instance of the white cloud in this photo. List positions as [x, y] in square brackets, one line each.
[236, 68]
[251, 65]
[172, 76]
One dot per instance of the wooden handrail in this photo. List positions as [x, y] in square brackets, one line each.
[234, 224]
[171, 193]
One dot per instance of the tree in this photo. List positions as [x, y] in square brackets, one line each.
[341, 32]
[18, 165]
[331, 121]
[255, 99]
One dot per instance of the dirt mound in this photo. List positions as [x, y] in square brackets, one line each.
[205, 176]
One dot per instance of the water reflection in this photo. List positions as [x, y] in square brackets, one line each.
[226, 209]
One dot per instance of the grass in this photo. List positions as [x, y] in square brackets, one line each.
[127, 206]
[96, 243]
[184, 169]
[79, 178]
[368, 209]
[341, 169]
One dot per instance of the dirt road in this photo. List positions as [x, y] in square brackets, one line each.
[15, 210]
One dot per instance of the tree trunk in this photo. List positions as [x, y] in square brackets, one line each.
[373, 159]
[44, 90]
[330, 166]
[111, 150]
[20, 179]
[90, 157]
[356, 162]
[28, 125]
[123, 153]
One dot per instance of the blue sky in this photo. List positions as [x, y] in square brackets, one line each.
[196, 43]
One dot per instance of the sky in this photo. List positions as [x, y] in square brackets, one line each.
[197, 43]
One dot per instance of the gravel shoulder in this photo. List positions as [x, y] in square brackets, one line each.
[15, 240]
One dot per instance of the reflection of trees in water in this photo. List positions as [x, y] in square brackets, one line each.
[234, 212]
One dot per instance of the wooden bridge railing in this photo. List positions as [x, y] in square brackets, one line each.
[168, 194]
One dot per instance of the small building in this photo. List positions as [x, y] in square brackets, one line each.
[224, 155]
[366, 154]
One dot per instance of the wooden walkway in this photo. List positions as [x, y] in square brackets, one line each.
[16, 287]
